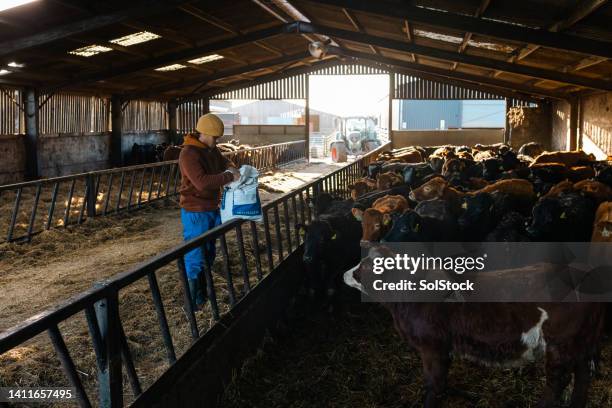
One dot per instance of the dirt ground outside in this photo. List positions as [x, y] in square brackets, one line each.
[60, 263]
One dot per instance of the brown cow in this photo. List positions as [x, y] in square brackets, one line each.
[437, 187]
[502, 334]
[387, 180]
[410, 157]
[361, 186]
[376, 221]
[596, 190]
[579, 173]
[391, 203]
[518, 187]
[602, 229]
[374, 224]
[495, 147]
[172, 153]
[569, 158]
[484, 155]
[564, 186]
[531, 149]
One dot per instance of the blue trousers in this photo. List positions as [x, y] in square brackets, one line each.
[195, 224]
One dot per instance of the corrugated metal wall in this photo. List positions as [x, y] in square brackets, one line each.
[411, 87]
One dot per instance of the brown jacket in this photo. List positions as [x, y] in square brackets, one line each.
[202, 175]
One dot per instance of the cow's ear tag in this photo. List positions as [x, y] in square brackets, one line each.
[417, 227]
[333, 236]
[563, 216]
[464, 205]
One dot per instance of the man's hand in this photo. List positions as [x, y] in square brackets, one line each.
[235, 173]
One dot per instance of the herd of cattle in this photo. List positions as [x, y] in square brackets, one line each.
[152, 153]
[484, 193]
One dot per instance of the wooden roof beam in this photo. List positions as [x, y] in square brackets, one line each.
[351, 17]
[139, 9]
[201, 81]
[262, 79]
[583, 63]
[494, 29]
[468, 36]
[582, 10]
[451, 56]
[409, 31]
[420, 70]
[219, 23]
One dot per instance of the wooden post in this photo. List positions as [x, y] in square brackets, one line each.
[172, 121]
[574, 113]
[31, 130]
[206, 107]
[391, 95]
[116, 131]
[307, 119]
[507, 129]
[580, 123]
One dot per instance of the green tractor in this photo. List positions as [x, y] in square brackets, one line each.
[357, 135]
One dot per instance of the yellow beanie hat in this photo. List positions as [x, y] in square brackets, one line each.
[211, 125]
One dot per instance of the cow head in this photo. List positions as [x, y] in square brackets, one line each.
[317, 236]
[374, 224]
[433, 189]
[547, 214]
[407, 227]
[358, 189]
[477, 209]
[356, 275]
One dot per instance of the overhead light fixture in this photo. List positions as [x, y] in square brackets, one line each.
[173, 67]
[90, 50]
[136, 38]
[14, 64]
[9, 4]
[206, 58]
[5, 71]
[318, 49]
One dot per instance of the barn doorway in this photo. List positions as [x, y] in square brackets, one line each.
[347, 112]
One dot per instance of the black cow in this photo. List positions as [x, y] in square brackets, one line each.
[439, 219]
[321, 203]
[331, 245]
[415, 173]
[410, 227]
[511, 228]
[568, 217]
[604, 175]
[478, 217]
[492, 169]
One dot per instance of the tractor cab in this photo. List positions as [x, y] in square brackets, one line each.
[357, 135]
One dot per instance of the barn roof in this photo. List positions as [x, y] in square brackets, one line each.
[171, 49]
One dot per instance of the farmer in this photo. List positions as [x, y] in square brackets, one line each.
[204, 172]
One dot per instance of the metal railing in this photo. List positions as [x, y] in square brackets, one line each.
[101, 304]
[29, 208]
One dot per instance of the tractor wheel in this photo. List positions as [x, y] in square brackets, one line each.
[338, 152]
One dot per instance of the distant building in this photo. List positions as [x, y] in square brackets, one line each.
[274, 112]
[451, 114]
